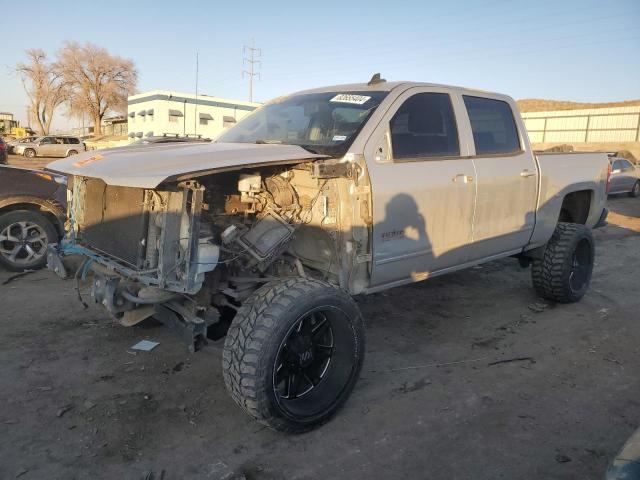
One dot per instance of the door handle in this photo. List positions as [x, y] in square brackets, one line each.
[463, 177]
[528, 173]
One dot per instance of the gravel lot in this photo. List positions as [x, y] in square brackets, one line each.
[20, 161]
[77, 403]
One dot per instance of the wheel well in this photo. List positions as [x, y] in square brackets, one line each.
[34, 207]
[576, 207]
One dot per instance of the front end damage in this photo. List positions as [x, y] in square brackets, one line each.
[189, 252]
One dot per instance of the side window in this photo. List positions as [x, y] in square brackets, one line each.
[424, 126]
[74, 141]
[626, 165]
[47, 141]
[494, 129]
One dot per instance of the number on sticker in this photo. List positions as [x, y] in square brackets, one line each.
[350, 98]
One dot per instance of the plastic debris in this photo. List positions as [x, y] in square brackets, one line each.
[145, 345]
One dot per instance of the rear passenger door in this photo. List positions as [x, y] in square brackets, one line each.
[61, 147]
[507, 178]
[74, 144]
[423, 189]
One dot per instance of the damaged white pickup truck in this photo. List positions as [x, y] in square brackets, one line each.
[266, 234]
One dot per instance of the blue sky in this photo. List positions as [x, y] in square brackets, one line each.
[586, 50]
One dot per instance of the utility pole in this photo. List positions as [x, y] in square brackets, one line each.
[195, 114]
[253, 53]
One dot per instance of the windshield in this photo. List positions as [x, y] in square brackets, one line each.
[325, 123]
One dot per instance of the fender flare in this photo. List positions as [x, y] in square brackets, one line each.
[44, 205]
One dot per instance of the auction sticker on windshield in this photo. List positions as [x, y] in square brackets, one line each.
[349, 98]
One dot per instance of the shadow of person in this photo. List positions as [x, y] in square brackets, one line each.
[402, 243]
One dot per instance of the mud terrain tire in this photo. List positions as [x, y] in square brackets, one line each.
[564, 271]
[286, 331]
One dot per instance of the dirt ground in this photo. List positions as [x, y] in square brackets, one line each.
[76, 402]
[20, 161]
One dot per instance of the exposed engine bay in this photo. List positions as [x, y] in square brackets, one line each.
[193, 250]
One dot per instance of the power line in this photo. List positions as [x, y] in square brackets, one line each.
[253, 53]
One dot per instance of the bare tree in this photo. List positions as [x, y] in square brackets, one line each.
[44, 87]
[97, 81]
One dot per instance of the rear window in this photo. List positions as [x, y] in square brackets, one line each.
[494, 128]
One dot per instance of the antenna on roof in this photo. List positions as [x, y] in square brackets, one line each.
[376, 79]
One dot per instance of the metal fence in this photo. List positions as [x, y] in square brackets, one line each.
[615, 124]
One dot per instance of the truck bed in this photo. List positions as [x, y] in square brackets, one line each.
[561, 173]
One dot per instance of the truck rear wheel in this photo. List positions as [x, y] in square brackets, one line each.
[564, 271]
[293, 353]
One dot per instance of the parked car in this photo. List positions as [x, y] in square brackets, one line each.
[50, 146]
[13, 143]
[32, 215]
[3, 152]
[625, 177]
[267, 233]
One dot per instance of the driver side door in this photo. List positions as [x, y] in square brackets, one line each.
[423, 188]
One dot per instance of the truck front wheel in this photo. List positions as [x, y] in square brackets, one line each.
[293, 353]
[564, 271]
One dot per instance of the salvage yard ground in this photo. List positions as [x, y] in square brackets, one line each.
[438, 397]
[20, 161]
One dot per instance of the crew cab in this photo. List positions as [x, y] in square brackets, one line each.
[266, 234]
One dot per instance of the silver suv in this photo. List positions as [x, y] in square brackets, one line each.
[50, 146]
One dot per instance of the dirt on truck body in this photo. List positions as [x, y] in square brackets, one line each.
[266, 234]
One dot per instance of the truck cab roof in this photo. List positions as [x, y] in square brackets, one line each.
[385, 86]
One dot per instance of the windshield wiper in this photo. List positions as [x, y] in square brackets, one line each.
[310, 150]
[279, 142]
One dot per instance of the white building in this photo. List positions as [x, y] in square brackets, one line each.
[160, 112]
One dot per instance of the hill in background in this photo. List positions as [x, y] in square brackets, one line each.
[538, 105]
